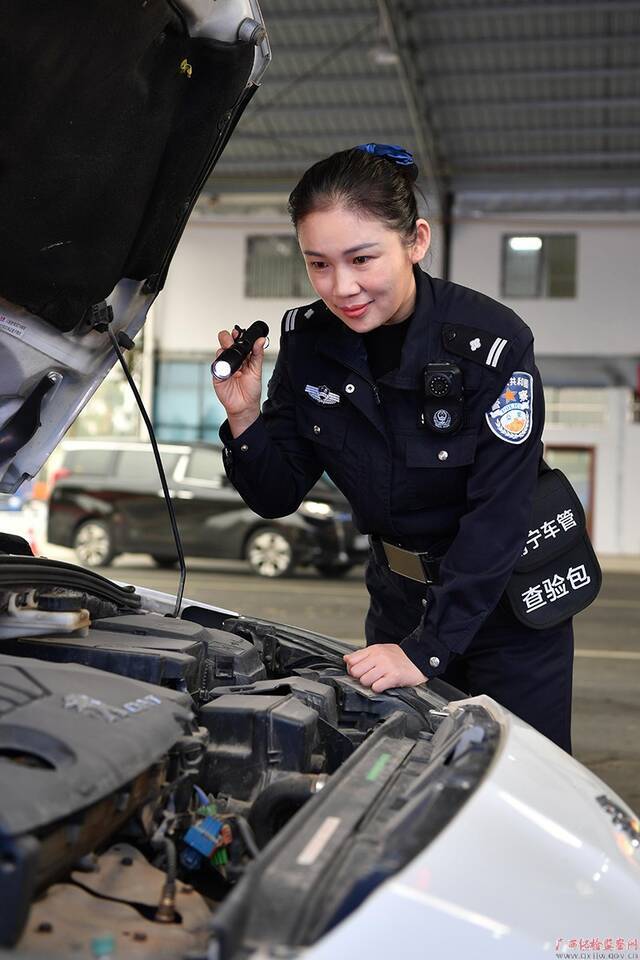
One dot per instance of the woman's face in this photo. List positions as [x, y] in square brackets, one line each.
[360, 267]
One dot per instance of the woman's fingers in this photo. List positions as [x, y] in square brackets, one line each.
[370, 676]
[357, 655]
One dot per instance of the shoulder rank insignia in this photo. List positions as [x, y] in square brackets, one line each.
[474, 344]
[511, 416]
[322, 395]
[291, 316]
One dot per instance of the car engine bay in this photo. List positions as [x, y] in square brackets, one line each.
[174, 783]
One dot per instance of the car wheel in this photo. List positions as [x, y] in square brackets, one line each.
[165, 563]
[333, 569]
[93, 544]
[269, 553]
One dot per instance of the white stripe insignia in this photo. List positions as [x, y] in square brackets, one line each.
[498, 352]
[309, 313]
[322, 395]
[286, 321]
[497, 347]
[292, 322]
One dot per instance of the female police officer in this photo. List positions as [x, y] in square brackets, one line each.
[421, 400]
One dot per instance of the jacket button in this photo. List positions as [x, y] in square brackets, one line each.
[450, 335]
[244, 447]
[349, 388]
[434, 662]
[316, 428]
[443, 455]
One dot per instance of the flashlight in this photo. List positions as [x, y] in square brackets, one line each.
[233, 357]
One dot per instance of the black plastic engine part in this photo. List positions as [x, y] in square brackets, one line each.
[251, 737]
[277, 804]
[272, 901]
[318, 696]
[155, 649]
[80, 751]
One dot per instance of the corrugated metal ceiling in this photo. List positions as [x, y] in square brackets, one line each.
[513, 98]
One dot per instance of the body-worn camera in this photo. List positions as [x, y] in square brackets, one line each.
[443, 406]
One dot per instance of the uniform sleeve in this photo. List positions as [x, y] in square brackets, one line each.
[271, 466]
[477, 566]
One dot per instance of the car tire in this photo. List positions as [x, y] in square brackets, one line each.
[333, 569]
[269, 552]
[165, 563]
[93, 544]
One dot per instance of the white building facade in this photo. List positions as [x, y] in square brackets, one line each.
[587, 342]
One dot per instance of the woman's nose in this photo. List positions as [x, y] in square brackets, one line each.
[345, 283]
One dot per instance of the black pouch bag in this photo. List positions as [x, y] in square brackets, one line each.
[557, 574]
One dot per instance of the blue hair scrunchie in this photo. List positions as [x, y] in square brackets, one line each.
[389, 150]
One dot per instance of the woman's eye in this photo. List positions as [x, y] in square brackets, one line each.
[362, 259]
[318, 264]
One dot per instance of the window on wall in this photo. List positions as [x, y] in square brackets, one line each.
[539, 266]
[275, 268]
[185, 405]
[576, 406]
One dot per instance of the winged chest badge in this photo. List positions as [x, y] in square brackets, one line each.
[322, 395]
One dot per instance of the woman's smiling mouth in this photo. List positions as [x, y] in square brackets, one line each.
[355, 311]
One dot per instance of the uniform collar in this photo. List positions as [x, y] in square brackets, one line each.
[415, 349]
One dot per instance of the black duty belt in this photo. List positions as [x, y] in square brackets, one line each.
[422, 567]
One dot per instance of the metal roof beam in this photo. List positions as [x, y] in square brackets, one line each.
[314, 136]
[486, 9]
[526, 9]
[479, 161]
[576, 41]
[482, 44]
[537, 73]
[590, 131]
[590, 103]
[577, 103]
[350, 110]
[395, 27]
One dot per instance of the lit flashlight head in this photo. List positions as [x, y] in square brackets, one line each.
[221, 369]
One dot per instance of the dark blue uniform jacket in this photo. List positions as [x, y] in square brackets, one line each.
[465, 497]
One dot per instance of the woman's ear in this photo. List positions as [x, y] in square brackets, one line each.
[422, 242]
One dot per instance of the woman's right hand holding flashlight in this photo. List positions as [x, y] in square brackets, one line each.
[240, 394]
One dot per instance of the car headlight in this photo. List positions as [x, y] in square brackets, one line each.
[315, 508]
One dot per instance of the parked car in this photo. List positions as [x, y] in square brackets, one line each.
[178, 779]
[106, 499]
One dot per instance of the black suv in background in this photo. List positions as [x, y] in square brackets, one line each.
[106, 499]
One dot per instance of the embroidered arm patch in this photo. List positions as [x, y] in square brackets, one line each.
[511, 416]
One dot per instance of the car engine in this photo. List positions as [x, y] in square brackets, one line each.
[173, 783]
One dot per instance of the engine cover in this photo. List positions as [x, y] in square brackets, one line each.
[80, 751]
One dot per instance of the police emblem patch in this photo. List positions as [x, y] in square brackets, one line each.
[322, 395]
[442, 419]
[511, 416]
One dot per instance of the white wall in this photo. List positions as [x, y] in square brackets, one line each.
[616, 447]
[204, 292]
[604, 318]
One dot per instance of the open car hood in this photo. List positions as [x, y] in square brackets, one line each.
[114, 115]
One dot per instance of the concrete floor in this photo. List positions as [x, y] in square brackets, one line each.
[606, 710]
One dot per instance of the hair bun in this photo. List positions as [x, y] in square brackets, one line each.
[397, 154]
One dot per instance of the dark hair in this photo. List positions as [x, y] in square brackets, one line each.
[373, 185]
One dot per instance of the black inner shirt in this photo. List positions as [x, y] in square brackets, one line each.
[384, 347]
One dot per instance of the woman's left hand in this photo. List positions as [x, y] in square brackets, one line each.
[383, 665]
